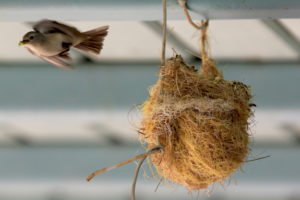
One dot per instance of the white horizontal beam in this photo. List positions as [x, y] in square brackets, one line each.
[141, 10]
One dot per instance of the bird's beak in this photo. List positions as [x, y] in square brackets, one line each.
[23, 42]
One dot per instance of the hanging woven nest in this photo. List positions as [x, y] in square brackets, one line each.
[200, 120]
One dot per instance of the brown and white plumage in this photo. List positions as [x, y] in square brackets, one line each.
[51, 41]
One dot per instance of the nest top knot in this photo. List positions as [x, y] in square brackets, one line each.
[208, 67]
[180, 81]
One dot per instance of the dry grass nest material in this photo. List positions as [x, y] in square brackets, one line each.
[200, 119]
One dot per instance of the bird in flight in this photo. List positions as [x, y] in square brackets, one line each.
[51, 41]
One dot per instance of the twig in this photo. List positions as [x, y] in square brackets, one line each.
[141, 156]
[135, 176]
[258, 159]
[164, 24]
[160, 180]
[138, 167]
[182, 4]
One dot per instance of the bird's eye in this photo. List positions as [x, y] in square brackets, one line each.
[31, 38]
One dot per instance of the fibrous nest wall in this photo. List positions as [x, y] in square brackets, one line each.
[200, 120]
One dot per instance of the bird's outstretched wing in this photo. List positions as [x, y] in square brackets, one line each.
[46, 26]
[57, 60]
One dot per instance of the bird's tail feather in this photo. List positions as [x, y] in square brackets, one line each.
[94, 42]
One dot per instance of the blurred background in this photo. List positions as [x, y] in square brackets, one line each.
[57, 126]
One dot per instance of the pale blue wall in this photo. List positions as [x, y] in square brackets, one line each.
[110, 86]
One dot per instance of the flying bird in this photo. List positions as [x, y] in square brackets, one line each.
[52, 40]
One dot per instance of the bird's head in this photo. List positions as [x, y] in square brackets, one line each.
[30, 38]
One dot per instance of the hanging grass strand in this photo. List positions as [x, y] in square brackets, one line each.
[138, 157]
[164, 26]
